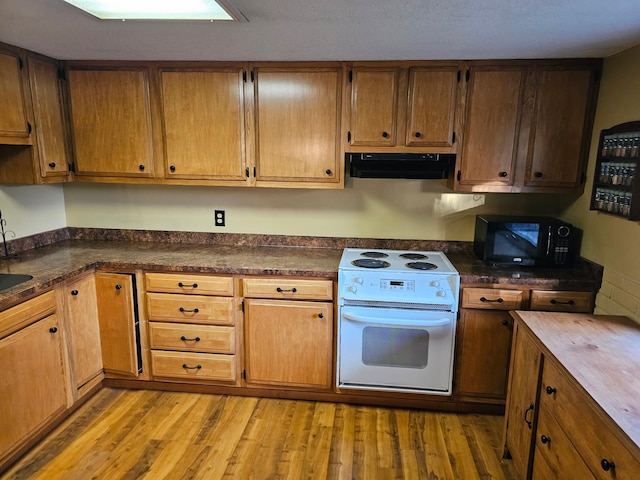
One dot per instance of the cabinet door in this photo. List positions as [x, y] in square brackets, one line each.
[492, 126]
[483, 353]
[203, 119]
[49, 120]
[288, 343]
[298, 117]
[522, 400]
[32, 379]
[118, 323]
[111, 122]
[13, 111]
[374, 106]
[83, 328]
[432, 105]
[561, 128]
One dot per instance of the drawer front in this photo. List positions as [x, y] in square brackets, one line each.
[562, 301]
[190, 308]
[590, 434]
[192, 338]
[189, 284]
[193, 366]
[492, 298]
[15, 318]
[287, 288]
[561, 456]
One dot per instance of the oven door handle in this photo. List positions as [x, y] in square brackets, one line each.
[400, 323]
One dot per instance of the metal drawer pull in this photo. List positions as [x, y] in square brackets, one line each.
[550, 390]
[195, 310]
[185, 339]
[292, 290]
[193, 285]
[607, 465]
[544, 439]
[558, 302]
[53, 329]
[526, 413]
[74, 292]
[197, 367]
[498, 300]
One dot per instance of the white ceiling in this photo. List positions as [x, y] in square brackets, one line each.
[337, 30]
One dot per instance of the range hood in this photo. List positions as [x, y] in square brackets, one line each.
[399, 165]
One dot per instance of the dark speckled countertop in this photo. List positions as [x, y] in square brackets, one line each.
[55, 257]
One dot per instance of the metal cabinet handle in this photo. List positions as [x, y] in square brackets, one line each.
[52, 165]
[497, 300]
[526, 413]
[193, 285]
[328, 171]
[385, 134]
[607, 465]
[558, 302]
[550, 390]
[197, 367]
[505, 322]
[118, 286]
[172, 168]
[544, 439]
[417, 134]
[141, 167]
[185, 310]
[185, 339]
[74, 292]
[281, 290]
[538, 174]
[53, 329]
[503, 174]
[321, 315]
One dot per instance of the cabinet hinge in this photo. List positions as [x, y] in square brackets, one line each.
[350, 76]
[459, 175]
[348, 136]
[252, 76]
[453, 137]
[20, 63]
[467, 76]
[244, 374]
[29, 128]
[244, 76]
[254, 172]
[246, 171]
[62, 74]
[459, 76]
[242, 306]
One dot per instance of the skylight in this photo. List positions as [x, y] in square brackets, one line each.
[208, 10]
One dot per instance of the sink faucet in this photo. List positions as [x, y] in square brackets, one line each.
[4, 234]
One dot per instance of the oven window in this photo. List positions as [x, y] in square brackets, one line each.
[395, 347]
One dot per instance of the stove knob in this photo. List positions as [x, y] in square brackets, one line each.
[352, 289]
[357, 280]
[435, 283]
[441, 293]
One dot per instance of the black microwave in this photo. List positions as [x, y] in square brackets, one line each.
[527, 241]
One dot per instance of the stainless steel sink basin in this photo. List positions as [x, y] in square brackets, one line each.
[8, 280]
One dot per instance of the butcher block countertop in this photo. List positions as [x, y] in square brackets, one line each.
[54, 257]
[602, 353]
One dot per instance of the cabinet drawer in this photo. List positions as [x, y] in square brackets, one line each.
[562, 301]
[584, 426]
[492, 298]
[561, 456]
[14, 318]
[192, 338]
[193, 366]
[189, 284]
[287, 288]
[190, 308]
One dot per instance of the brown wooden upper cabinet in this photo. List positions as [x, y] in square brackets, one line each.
[14, 125]
[403, 108]
[527, 126]
[297, 115]
[203, 113]
[111, 121]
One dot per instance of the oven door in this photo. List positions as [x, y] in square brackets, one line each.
[395, 349]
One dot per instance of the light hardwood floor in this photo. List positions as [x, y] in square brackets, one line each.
[134, 434]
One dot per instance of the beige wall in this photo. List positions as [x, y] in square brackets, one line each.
[368, 208]
[32, 209]
[611, 241]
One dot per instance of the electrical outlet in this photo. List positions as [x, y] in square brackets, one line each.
[219, 218]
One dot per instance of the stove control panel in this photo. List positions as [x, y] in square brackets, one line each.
[398, 285]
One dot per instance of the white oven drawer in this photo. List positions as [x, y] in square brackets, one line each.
[395, 349]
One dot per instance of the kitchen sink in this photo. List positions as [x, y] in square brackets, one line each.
[8, 280]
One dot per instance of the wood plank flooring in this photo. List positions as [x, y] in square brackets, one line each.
[135, 434]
